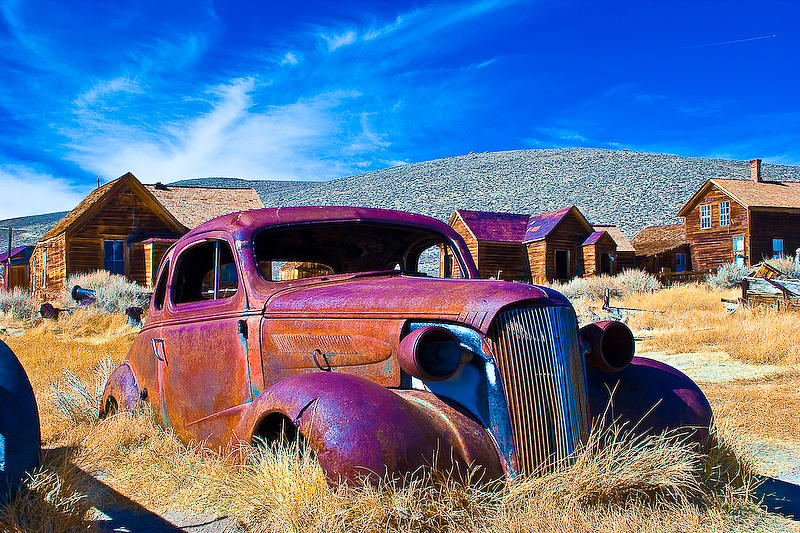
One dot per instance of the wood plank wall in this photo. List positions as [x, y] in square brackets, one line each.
[713, 247]
[56, 269]
[537, 261]
[509, 259]
[568, 235]
[768, 225]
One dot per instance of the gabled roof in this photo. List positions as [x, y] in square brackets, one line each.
[540, 226]
[495, 227]
[19, 255]
[750, 194]
[595, 236]
[623, 243]
[511, 227]
[654, 240]
[192, 206]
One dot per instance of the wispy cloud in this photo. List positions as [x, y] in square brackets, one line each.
[29, 192]
[338, 41]
[235, 137]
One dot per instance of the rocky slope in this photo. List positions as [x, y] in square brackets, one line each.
[629, 189]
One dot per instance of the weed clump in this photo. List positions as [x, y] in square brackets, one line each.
[18, 304]
[630, 281]
[728, 276]
[113, 293]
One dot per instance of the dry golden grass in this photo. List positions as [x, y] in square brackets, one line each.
[692, 318]
[617, 483]
[764, 407]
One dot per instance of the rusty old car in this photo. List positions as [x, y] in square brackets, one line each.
[379, 367]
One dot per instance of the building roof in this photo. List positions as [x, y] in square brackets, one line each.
[192, 206]
[539, 226]
[19, 255]
[623, 243]
[495, 227]
[594, 237]
[751, 194]
[654, 240]
[82, 207]
[511, 227]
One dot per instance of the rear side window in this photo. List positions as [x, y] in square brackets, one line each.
[206, 271]
[161, 288]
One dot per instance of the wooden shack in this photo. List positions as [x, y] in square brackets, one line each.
[742, 221]
[18, 269]
[662, 249]
[125, 227]
[300, 270]
[544, 247]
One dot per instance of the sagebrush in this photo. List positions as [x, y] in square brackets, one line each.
[114, 293]
[17, 304]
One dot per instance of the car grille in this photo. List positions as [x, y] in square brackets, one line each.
[537, 353]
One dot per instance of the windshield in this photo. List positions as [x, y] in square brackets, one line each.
[320, 249]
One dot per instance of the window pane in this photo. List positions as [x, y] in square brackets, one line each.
[161, 288]
[114, 256]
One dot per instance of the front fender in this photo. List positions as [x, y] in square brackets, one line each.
[357, 428]
[123, 386]
[676, 401]
[20, 438]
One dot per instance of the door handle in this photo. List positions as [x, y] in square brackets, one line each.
[159, 351]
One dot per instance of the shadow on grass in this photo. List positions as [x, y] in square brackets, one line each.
[780, 497]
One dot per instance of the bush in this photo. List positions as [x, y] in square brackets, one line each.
[728, 276]
[18, 304]
[787, 266]
[114, 293]
[630, 281]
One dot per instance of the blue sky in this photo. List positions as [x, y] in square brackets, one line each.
[319, 90]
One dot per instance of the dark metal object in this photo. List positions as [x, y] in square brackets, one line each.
[609, 345]
[651, 396]
[83, 296]
[362, 361]
[48, 311]
[134, 315]
[20, 440]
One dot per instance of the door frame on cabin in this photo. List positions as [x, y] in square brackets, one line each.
[558, 271]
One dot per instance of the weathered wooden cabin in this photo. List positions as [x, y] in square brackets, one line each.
[662, 249]
[559, 245]
[744, 221]
[14, 274]
[125, 227]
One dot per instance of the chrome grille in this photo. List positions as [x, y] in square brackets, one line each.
[537, 353]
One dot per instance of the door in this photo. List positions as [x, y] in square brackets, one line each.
[680, 262]
[605, 263]
[205, 363]
[562, 264]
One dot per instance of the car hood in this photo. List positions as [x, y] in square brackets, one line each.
[395, 295]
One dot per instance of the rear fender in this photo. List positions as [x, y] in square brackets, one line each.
[358, 429]
[651, 395]
[123, 387]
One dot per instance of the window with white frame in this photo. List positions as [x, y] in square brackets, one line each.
[33, 275]
[705, 216]
[777, 248]
[724, 213]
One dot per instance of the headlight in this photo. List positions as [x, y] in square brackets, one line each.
[431, 353]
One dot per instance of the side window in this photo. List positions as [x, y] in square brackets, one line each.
[114, 256]
[161, 288]
[705, 216]
[206, 271]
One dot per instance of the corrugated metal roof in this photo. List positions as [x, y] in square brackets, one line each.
[593, 237]
[539, 226]
[19, 255]
[495, 227]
